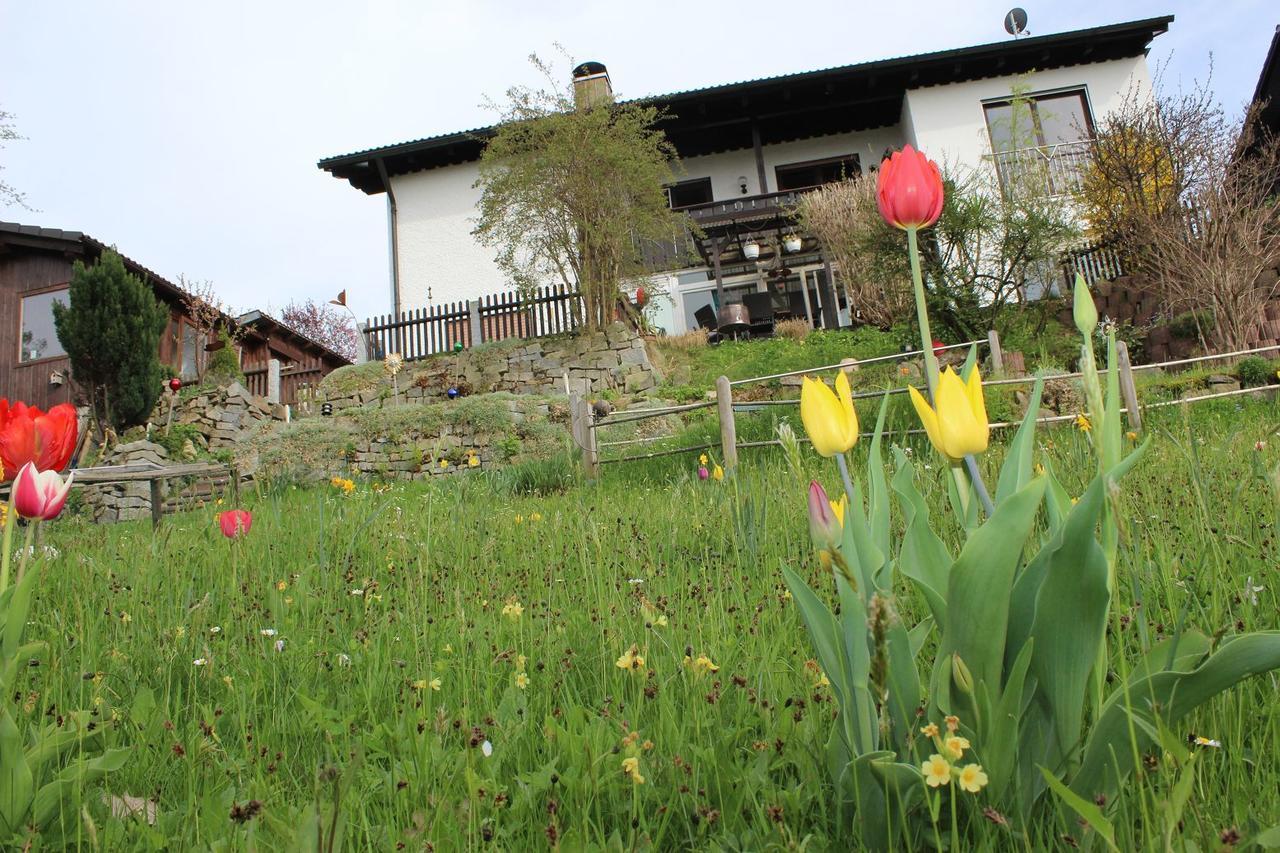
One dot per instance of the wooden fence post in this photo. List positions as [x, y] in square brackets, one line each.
[273, 381]
[157, 504]
[589, 434]
[997, 355]
[728, 430]
[1128, 390]
[473, 311]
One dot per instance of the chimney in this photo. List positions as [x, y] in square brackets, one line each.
[591, 85]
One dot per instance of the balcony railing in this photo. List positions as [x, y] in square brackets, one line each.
[1045, 170]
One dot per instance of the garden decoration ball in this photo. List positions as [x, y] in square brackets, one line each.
[175, 384]
[457, 346]
[453, 393]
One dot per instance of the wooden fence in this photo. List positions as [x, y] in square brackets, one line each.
[294, 378]
[495, 317]
[1096, 262]
[584, 423]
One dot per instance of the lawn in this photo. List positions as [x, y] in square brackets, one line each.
[436, 665]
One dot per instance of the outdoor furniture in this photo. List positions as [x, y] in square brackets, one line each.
[760, 310]
[706, 317]
[735, 320]
[796, 302]
[154, 474]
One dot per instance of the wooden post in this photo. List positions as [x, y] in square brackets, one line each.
[576, 420]
[589, 433]
[997, 355]
[273, 380]
[728, 430]
[473, 312]
[235, 486]
[1128, 390]
[157, 505]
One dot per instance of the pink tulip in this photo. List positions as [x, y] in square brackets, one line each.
[235, 523]
[703, 473]
[909, 190]
[825, 526]
[40, 494]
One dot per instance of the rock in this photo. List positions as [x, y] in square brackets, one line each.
[849, 366]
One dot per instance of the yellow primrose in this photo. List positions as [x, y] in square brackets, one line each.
[631, 659]
[937, 772]
[956, 745]
[957, 423]
[829, 417]
[701, 664]
[512, 609]
[631, 767]
[972, 778]
[434, 684]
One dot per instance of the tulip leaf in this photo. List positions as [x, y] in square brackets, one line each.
[903, 683]
[1165, 696]
[1089, 812]
[869, 558]
[970, 362]
[16, 782]
[1070, 617]
[48, 801]
[877, 488]
[1000, 738]
[981, 582]
[824, 631]
[1110, 433]
[1058, 500]
[1018, 464]
[923, 557]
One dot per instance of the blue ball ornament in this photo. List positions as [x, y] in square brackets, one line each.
[453, 393]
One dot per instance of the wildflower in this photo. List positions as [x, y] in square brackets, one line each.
[486, 749]
[1082, 423]
[703, 473]
[631, 767]
[952, 722]
[957, 422]
[180, 632]
[822, 681]
[1204, 741]
[519, 519]
[199, 661]
[701, 664]
[235, 523]
[279, 645]
[660, 620]
[125, 617]
[972, 778]
[1131, 435]
[930, 730]
[1260, 445]
[344, 659]
[40, 494]
[702, 459]
[434, 684]
[226, 679]
[955, 746]
[420, 684]
[512, 610]
[281, 586]
[909, 190]
[631, 659]
[535, 516]
[268, 632]
[828, 416]
[717, 473]
[357, 592]
[937, 772]
[216, 629]
[473, 461]
[522, 680]
[1251, 591]
[521, 660]
[444, 463]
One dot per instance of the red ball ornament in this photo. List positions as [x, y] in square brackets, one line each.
[175, 384]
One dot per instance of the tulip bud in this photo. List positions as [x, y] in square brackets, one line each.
[961, 676]
[1084, 311]
[824, 527]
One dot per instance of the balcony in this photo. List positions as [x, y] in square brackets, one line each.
[1045, 171]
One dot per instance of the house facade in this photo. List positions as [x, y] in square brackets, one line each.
[35, 271]
[747, 151]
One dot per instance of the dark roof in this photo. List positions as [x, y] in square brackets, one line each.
[257, 319]
[1269, 87]
[790, 106]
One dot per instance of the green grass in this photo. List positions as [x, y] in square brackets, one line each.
[377, 594]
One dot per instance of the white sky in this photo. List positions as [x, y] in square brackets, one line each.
[187, 133]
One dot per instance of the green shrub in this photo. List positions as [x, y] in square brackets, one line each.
[1190, 324]
[552, 476]
[224, 365]
[1255, 370]
[175, 437]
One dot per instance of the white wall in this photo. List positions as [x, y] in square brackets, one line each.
[948, 123]
[435, 212]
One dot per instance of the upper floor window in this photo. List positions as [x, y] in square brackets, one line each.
[39, 338]
[815, 173]
[689, 193]
[1041, 141]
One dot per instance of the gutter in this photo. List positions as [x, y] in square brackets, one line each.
[394, 226]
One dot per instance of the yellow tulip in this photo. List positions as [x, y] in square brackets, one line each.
[957, 423]
[828, 416]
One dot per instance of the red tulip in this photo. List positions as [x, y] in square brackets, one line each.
[909, 190]
[30, 435]
[938, 346]
[235, 523]
[40, 494]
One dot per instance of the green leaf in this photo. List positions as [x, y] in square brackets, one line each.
[981, 582]
[15, 617]
[903, 683]
[1166, 696]
[824, 632]
[867, 558]
[877, 488]
[923, 558]
[16, 782]
[1019, 464]
[1000, 737]
[1089, 812]
[49, 800]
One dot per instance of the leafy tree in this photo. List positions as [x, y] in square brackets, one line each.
[111, 331]
[323, 323]
[571, 193]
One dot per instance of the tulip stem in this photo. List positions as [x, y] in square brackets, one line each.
[10, 519]
[922, 316]
[27, 550]
[848, 481]
[978, 485]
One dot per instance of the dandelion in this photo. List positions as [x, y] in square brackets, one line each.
[473, 461]
[631, 767]
[512, 610]
[937, 772]
[522, 680]
[955, 746]
[972, 778]
[631, 659]
[1082, 423]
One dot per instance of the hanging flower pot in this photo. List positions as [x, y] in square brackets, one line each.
[751, 250]
[792, 243]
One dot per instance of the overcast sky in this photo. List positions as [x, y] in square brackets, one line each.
[187, 134]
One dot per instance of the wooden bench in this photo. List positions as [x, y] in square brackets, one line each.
[154, 475]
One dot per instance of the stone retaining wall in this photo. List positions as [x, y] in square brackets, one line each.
[220, 415]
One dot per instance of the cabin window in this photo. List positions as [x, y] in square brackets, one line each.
[815, 173]
[39, 338]
[689, 193]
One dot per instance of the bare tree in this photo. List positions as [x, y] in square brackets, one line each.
[9, 195]
[323, 323]
[208, 316]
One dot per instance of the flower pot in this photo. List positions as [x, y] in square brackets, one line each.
[791, 243]
[751, 250]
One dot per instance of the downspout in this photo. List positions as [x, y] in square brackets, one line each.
[394, 226]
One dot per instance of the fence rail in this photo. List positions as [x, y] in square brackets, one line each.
[497, 316]
[293, 378]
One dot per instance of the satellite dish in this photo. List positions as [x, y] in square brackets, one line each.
[1015, 21]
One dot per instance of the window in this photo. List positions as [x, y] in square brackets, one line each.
[39, 338]
[815, 173]
[1038, 121]
[689, 193]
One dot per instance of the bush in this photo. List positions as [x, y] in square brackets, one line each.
[175, 437]
[224, 365]
[1254, 370]
[553, 476]
[1189, 324]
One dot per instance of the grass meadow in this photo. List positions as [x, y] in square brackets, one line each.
[436, 666]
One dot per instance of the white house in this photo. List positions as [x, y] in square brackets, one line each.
[747, 148]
